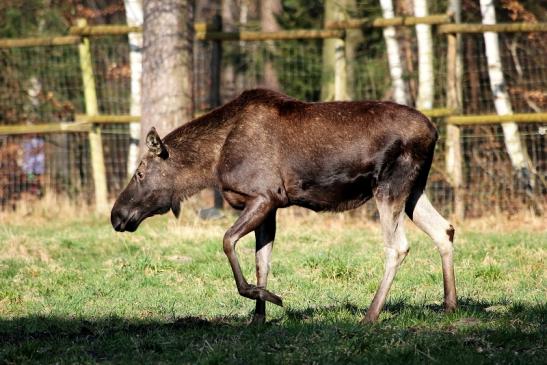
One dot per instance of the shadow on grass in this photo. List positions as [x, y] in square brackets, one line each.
[479, 332]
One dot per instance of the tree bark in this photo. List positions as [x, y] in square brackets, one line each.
[167, 65]
[453, 146]
[407, 48]
[400, 94]
[517, 154]
[269, 9]
[426, 79]
[229, 19]
[244, 6]
[354, 38]
[134, 15]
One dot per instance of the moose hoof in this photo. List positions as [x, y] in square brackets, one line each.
[258, 319]
[369, 318]
[254, 292]
[450, 307]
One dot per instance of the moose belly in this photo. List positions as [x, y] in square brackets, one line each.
[336, 191]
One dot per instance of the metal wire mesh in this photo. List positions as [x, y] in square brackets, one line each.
[33, 165]
[44, 85]
[39, 84]
[524, 71]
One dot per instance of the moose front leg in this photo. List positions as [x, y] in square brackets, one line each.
[255, 212]
[265, 235]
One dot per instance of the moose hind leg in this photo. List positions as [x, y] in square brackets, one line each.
[265, 235]
[396, 249]
[251, 218]
[426, 217]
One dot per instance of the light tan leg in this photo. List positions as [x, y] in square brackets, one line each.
[265, 235]
[426, 217]
[396, 249]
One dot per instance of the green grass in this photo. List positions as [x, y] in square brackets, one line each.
[75, 291]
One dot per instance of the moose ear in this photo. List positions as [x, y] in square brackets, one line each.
[155, 144]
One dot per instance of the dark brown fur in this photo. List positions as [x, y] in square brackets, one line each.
[450, 232]
[265, 151]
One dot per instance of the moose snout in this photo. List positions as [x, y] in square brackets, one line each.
[118, 218]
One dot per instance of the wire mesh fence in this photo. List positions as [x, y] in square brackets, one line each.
[44, 85]
[39, 84]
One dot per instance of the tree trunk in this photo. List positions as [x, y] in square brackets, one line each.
[167, 65]
[243, 18]
[472, 105]
[517, 154]
[407, 49]
[354, 38]
[269, 9]
[425, 58]
[228, 77]
[394, 58]
[334, 80]
[453, 146]
[133, 14]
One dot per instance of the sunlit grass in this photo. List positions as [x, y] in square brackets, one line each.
[74, 291]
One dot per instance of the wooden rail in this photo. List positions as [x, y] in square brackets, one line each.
[102, 30]
[437, 112]
[499, 28]
[107, 118]
[382, 22]
[204, 31]
[43, 128]
[270, 36]
[334, 29]
[496, 119]
[84, 122]
[39, 41]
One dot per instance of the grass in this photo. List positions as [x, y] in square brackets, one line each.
[74, 291]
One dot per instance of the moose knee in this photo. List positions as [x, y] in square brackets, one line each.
[228, 244]
[396, 256]
[445, 241]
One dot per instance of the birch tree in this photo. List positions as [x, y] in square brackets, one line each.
[394, 56]
[426, 79]
[166, 65]
[134, 15]
[513, 144]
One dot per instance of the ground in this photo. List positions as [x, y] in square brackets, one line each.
[74, 291]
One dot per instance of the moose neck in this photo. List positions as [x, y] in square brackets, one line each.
[195, 149]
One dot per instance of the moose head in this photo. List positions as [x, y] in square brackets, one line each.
[150, 191]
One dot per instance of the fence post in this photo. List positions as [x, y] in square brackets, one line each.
[334, 78]
[453, 157]
[91, 108]
[216, 68]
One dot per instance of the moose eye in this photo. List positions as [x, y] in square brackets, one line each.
[140, 175]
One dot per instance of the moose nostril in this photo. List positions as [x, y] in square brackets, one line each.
[116, 218]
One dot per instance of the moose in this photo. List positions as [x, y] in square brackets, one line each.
[265, 151]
